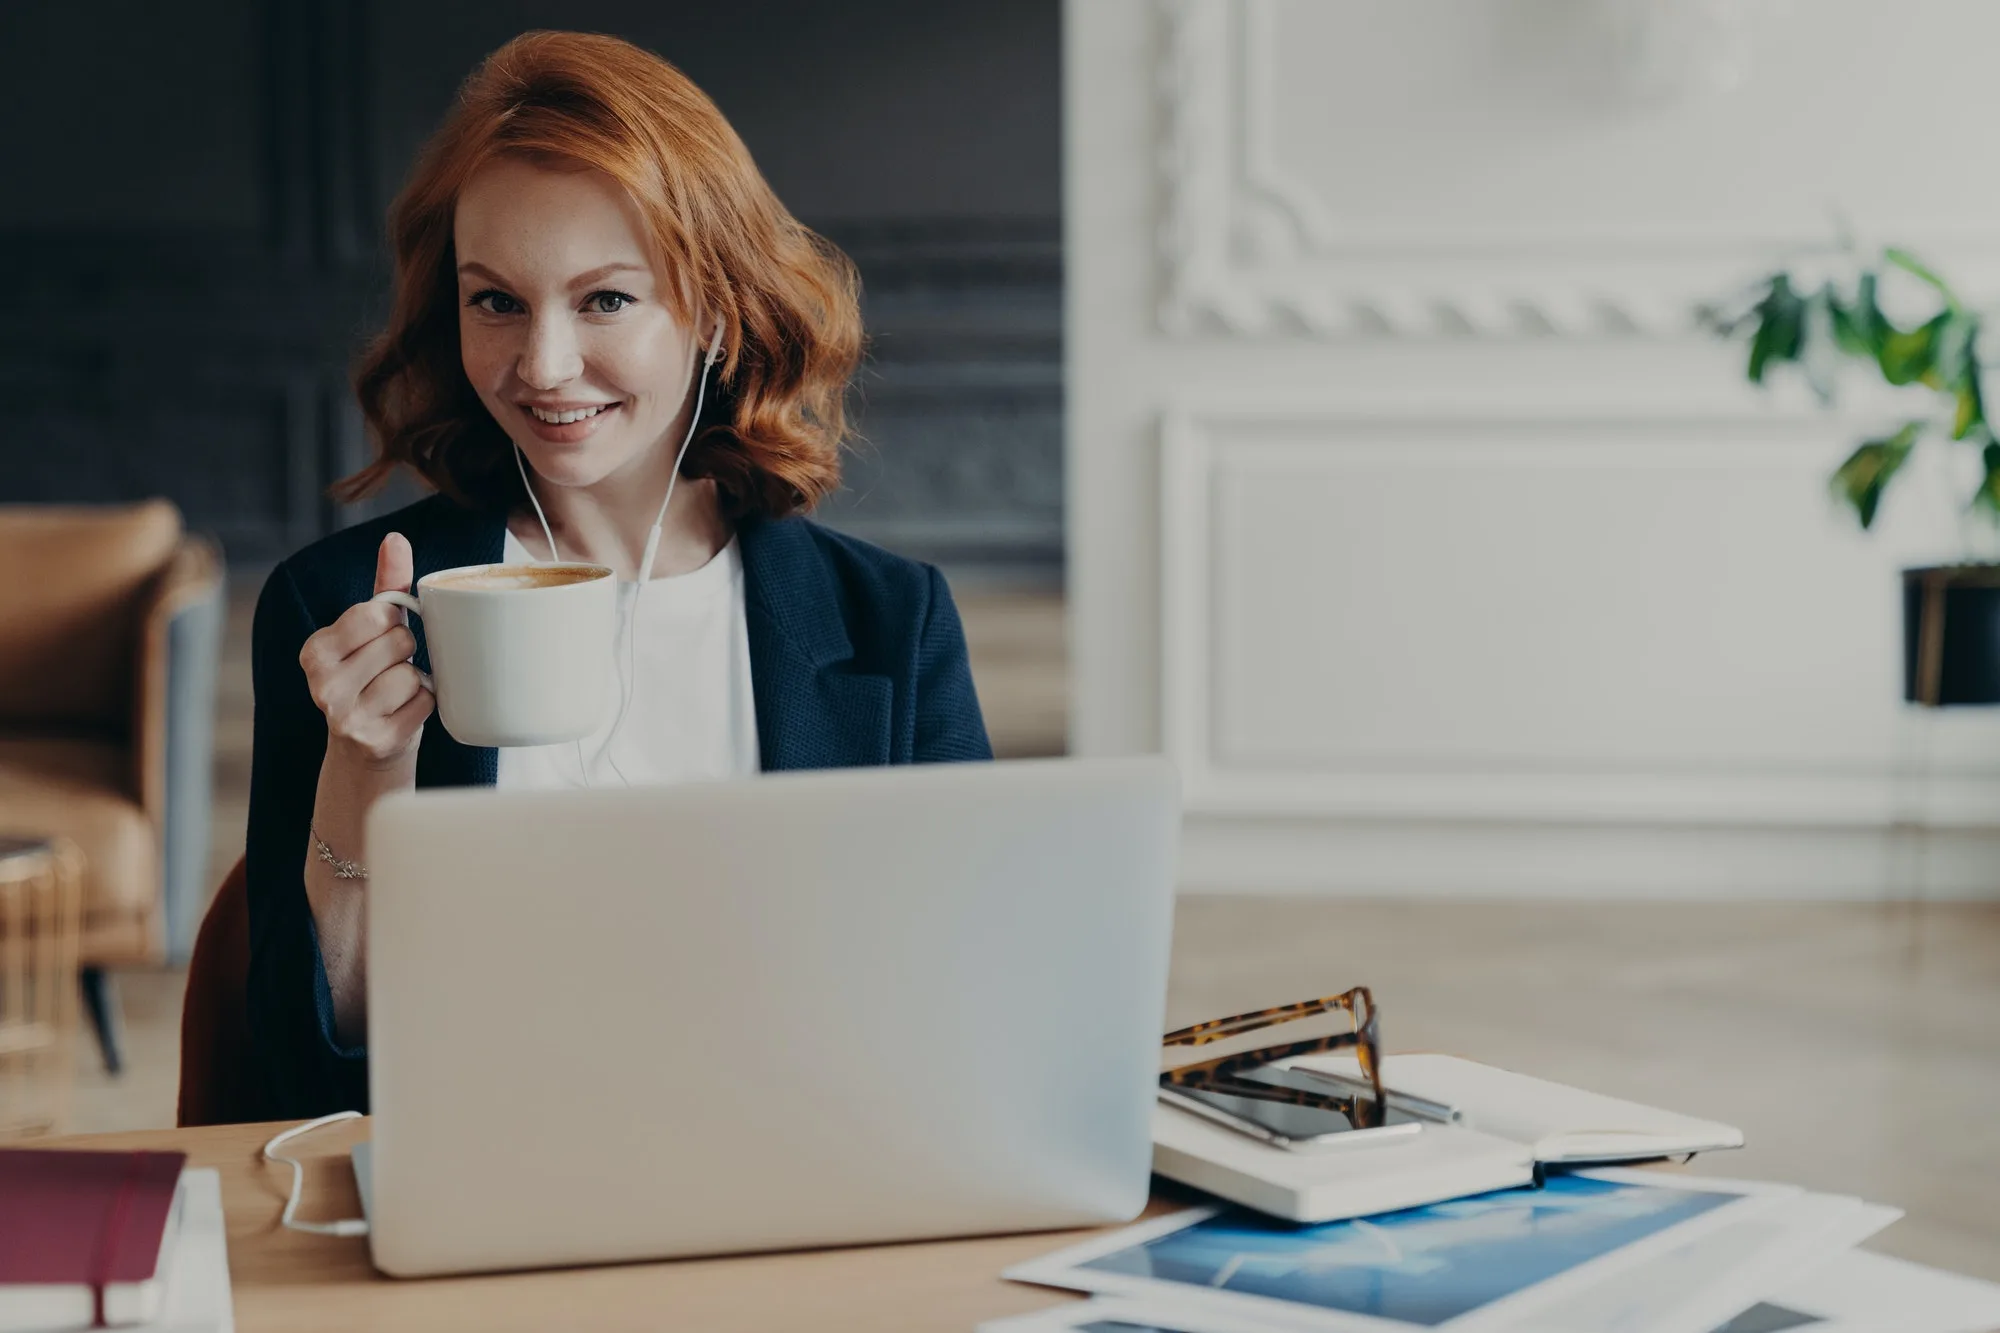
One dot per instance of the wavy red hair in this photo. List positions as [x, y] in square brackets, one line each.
[788, 299]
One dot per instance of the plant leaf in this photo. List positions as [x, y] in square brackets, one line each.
[1953, 349]
[1858, 327]
[1819, 344]
[1861, 480]
[1780, 315]
[1971, 412]
[1917, 269]
[1910, 355]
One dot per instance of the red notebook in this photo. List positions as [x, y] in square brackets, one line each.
[81, 1235]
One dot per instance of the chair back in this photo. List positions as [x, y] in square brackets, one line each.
[70, 612]
[220, 1081]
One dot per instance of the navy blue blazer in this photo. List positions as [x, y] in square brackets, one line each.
[856, 658]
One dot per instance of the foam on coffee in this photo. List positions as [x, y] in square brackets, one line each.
[500, 578]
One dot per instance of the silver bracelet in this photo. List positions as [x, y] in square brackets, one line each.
[341, 869]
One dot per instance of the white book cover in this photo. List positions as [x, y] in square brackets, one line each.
[1441, 1162]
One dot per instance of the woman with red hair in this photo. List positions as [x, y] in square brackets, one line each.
[602, 314]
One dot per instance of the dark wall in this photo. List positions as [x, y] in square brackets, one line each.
[861, 109]
[189, 249]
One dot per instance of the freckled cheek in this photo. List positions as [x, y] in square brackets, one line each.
[622, 364]
[487, 356]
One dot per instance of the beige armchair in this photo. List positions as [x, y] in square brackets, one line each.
[110, 630]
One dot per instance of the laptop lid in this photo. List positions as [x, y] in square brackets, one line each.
[804, 1009]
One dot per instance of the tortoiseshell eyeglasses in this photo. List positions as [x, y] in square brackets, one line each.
[1224, 1074]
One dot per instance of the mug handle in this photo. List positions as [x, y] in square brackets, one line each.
[410, 604]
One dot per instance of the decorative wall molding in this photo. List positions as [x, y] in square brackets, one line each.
[1248, 248]
[1961, 793]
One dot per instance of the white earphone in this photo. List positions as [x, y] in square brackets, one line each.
[627, 684]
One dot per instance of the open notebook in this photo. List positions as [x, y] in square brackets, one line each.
[1555, 1122]
[1508, 1123]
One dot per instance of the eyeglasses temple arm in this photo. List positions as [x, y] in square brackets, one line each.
[1216, 1029]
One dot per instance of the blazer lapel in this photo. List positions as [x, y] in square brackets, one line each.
[455, 536]
[813, 710]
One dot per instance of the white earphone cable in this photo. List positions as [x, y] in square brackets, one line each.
[548, 535]
[627, 684]
[527, 486]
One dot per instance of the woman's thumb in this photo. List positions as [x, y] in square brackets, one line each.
[395, 567]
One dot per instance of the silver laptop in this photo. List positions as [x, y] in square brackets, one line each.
[806, 1009]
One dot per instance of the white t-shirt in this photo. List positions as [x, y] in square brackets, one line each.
[692, 714]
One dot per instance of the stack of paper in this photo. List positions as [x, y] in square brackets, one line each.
[197, 1297]
[1601, 1251]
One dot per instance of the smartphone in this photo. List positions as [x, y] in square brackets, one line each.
[1423, 1108]
[1299, 1128]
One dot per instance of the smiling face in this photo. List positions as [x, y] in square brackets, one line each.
[564, 324]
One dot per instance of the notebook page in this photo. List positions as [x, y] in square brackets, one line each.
[1563, 1124]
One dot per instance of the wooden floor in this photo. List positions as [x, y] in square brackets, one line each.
[1858, 1047]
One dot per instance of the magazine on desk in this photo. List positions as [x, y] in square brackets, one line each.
[1507, 1126]
[1787, 1266]
[1595, 1252]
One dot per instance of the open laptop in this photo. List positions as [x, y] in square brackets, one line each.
[805, 1009]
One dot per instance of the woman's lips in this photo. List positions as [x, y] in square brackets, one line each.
[569, 432]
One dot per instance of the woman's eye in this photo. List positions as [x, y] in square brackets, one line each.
[495, 303]
[606, 303]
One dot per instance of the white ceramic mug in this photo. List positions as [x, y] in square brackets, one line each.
[520, 654]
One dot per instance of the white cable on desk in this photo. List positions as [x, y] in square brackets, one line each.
[346, 1226]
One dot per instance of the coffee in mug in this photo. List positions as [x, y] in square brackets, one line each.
[520, 654]
[517, 576]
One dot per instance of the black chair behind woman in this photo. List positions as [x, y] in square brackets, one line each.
[220, 1080]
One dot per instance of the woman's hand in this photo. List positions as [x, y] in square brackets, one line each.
[359, 674]
[375, 703]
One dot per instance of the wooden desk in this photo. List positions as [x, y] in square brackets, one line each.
[286, 1280]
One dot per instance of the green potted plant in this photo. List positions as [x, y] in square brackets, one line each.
[1951, 613]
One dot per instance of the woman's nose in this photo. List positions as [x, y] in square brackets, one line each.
[551, 357]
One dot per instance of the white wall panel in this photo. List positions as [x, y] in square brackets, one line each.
[1558, 617]
[1390, 572]
[1408, 512]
